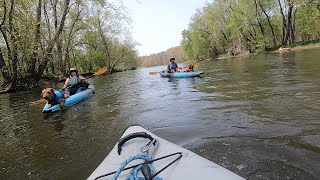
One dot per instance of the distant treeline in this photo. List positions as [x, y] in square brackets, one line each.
[161, 58]
[245, 26]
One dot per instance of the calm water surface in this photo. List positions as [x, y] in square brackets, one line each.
[258, 116]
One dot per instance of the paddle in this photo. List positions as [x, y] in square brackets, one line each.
[153, 73]
[40, 101]
[98, 73]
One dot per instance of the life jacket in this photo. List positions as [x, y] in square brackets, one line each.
[57, 95]
[74, 80]
[189, 69]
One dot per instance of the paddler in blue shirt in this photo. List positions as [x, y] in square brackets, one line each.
[172, 67]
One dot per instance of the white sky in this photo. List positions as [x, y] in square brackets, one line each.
[157, 24]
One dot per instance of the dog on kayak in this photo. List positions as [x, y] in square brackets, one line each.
[53, 97]
[190, 68]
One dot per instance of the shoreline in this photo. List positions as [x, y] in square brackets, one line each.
[279, 50]
[298, 48]
[236, 56]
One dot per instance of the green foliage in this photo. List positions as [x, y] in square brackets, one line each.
[308, 24]
[244, 26]
[91, 61]
[35, 44]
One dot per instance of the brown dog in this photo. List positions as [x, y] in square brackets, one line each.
[53, 97]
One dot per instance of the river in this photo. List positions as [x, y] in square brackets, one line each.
[258, 116]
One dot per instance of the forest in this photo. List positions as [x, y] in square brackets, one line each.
[47, 37]
[233, 27]
[161, 58]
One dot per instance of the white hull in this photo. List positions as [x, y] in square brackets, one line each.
[190, 167]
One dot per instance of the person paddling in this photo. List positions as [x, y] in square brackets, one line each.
[72, 81]
[172, 67]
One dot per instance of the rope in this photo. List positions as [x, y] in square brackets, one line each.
[133, 175]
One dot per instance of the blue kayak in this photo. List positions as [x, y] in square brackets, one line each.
[180, 74]
[74, 99]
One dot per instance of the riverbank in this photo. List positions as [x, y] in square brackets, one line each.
[297, 46]
[230, 57]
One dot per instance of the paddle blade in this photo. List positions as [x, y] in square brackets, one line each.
[153, 73]
[40, 101]
[101, 71]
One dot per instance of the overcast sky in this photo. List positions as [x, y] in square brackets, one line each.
[157, 24]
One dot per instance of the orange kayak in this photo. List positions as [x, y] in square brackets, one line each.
[101, 71]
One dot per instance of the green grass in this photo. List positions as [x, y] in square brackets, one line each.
[301, 43]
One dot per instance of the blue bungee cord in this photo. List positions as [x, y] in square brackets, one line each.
[133, 175]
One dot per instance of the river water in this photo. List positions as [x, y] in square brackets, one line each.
[258, 116]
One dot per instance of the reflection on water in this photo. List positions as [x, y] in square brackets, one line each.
[256, 115]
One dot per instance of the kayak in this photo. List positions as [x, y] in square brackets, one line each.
[181, 74]
[101, 71]
[74, 99]
[183, 164]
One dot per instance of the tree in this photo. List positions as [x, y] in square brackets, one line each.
[47, 37]
[244, 26]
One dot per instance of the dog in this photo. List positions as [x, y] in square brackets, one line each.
[190, 68]
[53, 97]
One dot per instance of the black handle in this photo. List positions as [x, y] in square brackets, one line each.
[131, 136]
[146, 171]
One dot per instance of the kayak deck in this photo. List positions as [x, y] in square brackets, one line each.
[190, 166]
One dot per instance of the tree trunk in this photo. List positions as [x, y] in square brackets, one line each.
[52, 65]
[61, 66]
[225, 37]
[66, 62]
[68, 44]
[34, 57]
[284, 25]
[271, 27]
[14, 59]
[293, 30]
[48, 51]
[5, 37]
[259, 23]
[60, 62]
[289, 35]
[4, 69]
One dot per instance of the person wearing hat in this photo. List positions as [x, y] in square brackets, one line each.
[172, 67]
[72, 81]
